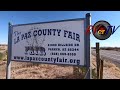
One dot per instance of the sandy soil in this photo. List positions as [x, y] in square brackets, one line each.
[23, 70]
[110, 70]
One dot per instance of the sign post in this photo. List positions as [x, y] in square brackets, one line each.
[57, 42]
[88, 49]
[8, 68]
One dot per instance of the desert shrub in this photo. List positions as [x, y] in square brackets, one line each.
[94, 74]
[6, 52]
[1, 56]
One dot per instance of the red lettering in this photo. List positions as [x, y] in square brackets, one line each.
[88, 29]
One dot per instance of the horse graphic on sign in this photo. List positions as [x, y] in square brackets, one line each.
[35, 46]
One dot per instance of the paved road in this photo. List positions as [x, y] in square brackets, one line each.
[108, 54]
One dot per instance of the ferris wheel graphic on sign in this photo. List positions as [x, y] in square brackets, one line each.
[35, 44]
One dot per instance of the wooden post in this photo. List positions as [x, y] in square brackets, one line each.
[97, 59]
[101, 69]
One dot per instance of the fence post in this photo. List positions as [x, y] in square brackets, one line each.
[97, 59]
[101, 69]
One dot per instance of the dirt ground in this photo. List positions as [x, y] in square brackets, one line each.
[23, 70]
[110, 70]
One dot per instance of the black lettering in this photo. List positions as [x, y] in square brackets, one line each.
[63, 49]
[48, 59]
[74, 44]
[42, 59]
[73, 35]
[49, 49]
[54, 60]
[78, 62]
[78, 37]
[65, 32]
[65, 60]
[29, 34]
[44, 31]
[27, 58]
[33, 58]
[70, 35]
[68, 49]
[36, 58]
[39, 32]
[30, 58]
[71, 61]
[25, 35]
[57, 59]
[18, 57]
[54, 31]
[74, 54]
[75, 49]
[18, 39]
[14, 57]
[59, 45]
[59, 49]
[74, 60]
[22, 37]
[58, 32]
[49, 31]
[45, 59]
[60, 60]
[35, 33]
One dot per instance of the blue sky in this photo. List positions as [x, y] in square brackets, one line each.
[21, 17]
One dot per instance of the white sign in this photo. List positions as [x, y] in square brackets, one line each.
[59, 42]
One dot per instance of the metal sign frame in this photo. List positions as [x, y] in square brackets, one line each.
[87, 21]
